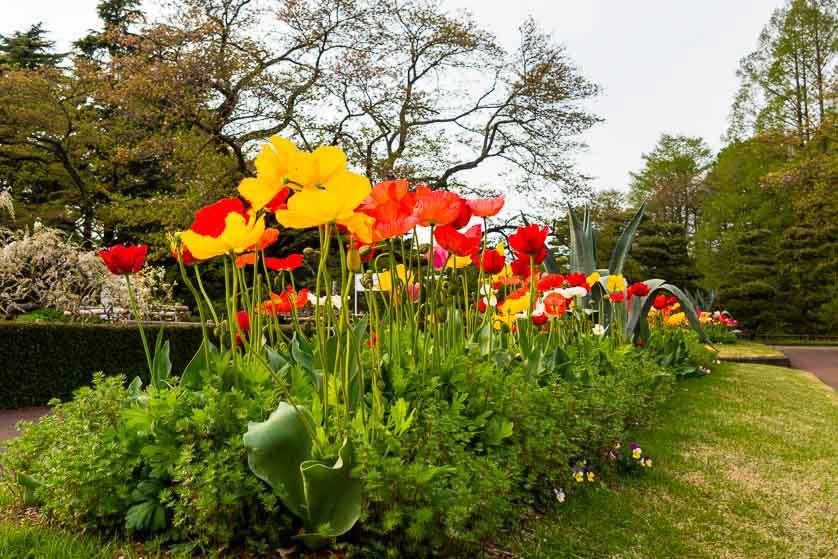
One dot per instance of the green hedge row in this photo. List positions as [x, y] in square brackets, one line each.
[41, 361]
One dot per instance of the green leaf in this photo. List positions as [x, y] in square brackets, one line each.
[161, 365]
[484, 339]
[633, 324]
[333, 498]
[621, 249]
[191, 376]
[29, 485]
[276, 448]
[148, 516]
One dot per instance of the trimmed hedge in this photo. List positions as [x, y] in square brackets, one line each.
[41, 361]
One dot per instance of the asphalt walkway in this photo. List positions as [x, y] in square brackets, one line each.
[822, 361]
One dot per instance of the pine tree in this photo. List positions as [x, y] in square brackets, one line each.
[661, 250]
[27, 50]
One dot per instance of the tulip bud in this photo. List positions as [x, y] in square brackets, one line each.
[308, 251]
[353, 260]
[366, 281]
[365, 250]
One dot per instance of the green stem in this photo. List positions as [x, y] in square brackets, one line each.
[136, 310]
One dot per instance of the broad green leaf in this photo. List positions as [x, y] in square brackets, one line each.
[333, 498]
[191, 376]
[276, 448]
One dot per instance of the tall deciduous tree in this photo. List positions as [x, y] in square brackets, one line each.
[786, 82]
[672, 180]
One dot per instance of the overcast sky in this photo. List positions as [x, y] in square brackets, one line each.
[664, 65]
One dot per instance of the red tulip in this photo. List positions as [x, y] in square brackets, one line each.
[287, 264]
[521, 267]
[638, 289]
[436, 207]
[659, 302]
[279, 202]
[490, 261]
[577, 279]
[529, 241]
[617, 297]
[555, 304]
[185, 255]
[124, 259]
[463, 217]
[211, 220]
[550, 281]
[286, 301]
[539, 319]
[461, 244]
[243, 320]
[247, 259]
[486, 207]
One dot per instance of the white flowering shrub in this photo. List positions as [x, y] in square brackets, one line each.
[42, 268]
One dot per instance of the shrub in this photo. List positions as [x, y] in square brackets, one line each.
[182, 453]
[50, 360]
[44, 269]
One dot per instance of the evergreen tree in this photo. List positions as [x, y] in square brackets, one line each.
[27, 50]
[660, 250]
[749, 289]
[117, 17]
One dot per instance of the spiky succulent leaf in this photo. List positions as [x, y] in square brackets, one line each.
[623, 246]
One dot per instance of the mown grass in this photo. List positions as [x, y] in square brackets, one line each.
[744, 468]
[747, 349]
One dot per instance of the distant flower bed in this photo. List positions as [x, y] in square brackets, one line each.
[482, 381]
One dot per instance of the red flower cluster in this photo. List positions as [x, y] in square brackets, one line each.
[396, 209]
[124, 259]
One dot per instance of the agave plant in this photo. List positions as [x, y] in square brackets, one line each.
[583, 259]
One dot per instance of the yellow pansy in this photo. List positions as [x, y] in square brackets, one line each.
[384, 281]
[592, 279]
[615, 283]
[239, 235]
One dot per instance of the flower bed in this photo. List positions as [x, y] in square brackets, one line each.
[476, 389]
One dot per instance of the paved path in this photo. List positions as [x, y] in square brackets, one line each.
[9, 418]
[822, 361]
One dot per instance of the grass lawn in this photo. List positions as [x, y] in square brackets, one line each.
[746, 349]
[744, 467]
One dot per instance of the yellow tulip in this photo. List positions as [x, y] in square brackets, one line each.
[239, 235]
[509, 311]
[335, 202]
[615, 283]
[273, 165]
[384, 281]
[457, 262]
[593, 278]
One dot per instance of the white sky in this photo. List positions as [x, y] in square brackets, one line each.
[664, 65]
